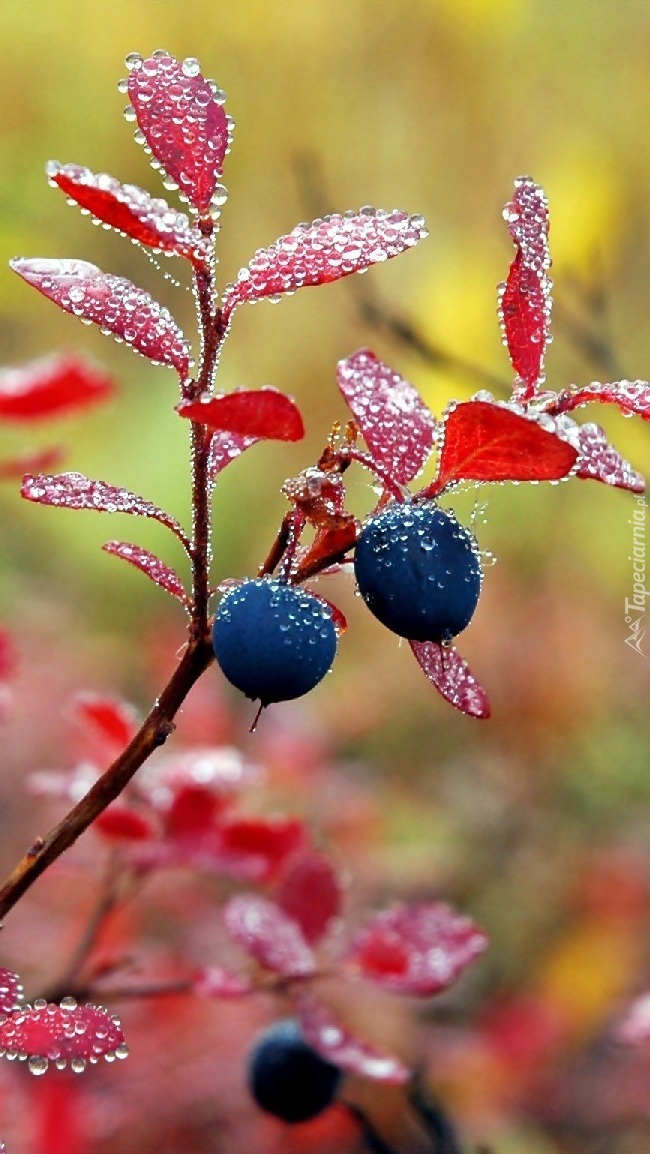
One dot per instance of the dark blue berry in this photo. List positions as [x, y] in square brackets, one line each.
[287, 1077]
[273, 641]
[418, 571]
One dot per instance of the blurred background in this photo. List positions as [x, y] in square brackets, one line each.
[536, 822]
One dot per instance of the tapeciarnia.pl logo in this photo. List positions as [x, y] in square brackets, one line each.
[636, 605]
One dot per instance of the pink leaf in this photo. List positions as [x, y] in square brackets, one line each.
[110, 719]
[419, 949]
[525, 299]
[11, 992]
[31, 461]
[452, 677]
[222, 769]
[217, 982]
[310, 892]
[269, 935]
[131, 211]
[151, 565]
[51, 386]
[484, 441]
[630, 396]
[75, 491]
[226, 447]
[396, 424]
[67, 1033]
[116, 304]
[337, 1045]
[600, 461]
[266, 414]
[182, 121]
[324, 251]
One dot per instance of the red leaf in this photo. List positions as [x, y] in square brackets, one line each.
[8, 658]
[600, 461]
[151, 565]
[11, 992]
[484, 441]
[396, 425]
[217, 982]
[31, 461]
[630, 396]
[75, 491]
[259, 846]
[452, 677]
[226, 447]
[119, 823]
[182, 121]
[192, 813]
[266, 414]
[67, 1033]
[525, 299]
[221, 769]
[51, 386]
[323, 251]
[310, 892]
[337, 1045]
[269, 935]
[131, 211]
[112, 302]
[110, 719]
[417, 949]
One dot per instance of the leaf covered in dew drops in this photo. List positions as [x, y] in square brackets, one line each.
[181, 117]
[266, 414]
[130, 210]
[151, 565]
[115, 304]
[60, 1034]
[224, 448]
[630, 396]
[269, 935]
[397, 426]
[600, 461]
[419, 949]
[110, 721]
[11, 991]
[452, 677]
[51, 386]
[326, 250]
[76, 491]
[325, 1034]
[484, 441]
[525, 298]
[310, 891]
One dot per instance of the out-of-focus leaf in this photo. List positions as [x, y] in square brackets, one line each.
[634, 1027]
[110, 719]
[269, 935]
[326, 250]
[31, 461]
[310, 891]
[51, 386]
[76, 491]
[120, 823]
[182, 121]
[396, 424]
[151, 565]
[339, 1046]
[265, 414]
[217, 982]
[118, 306]
[452, 677]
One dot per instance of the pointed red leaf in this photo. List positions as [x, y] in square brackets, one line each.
[525, 299]
[452, 677]
[151, 565]
[600, 461]
[119, 823]
[266, 414]
[310, 891]
[130, 210]
[217, 982]
[76, 491]
[192, 812]
[630, 396]
[324, 251]
[484, 441]
[11, 992]
[396, 424]
[112, 302]
[226, 447]
[31, 461]
[269, 935]
[51, 386]
[46, 1033]
[419, 949]
[337, 1045]
[259, 846]
[183, 122]
[110, 719]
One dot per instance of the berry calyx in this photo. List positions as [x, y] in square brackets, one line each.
[418, 571]
[287, 1077]
[273, 641]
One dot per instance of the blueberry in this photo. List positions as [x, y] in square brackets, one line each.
[273, 641]
[287, 1077]
[418, 571]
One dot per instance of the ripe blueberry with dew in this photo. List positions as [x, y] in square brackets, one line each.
[272, 640]
[418, 571]
[287, 1077]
